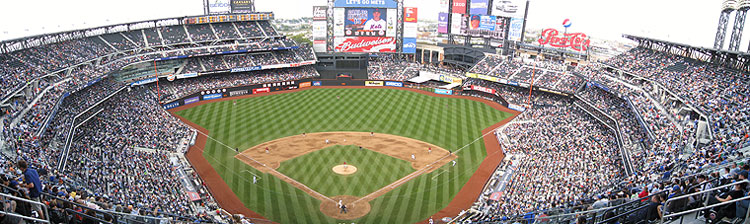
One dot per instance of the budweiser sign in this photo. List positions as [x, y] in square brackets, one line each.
[575, 41]
[366, 44]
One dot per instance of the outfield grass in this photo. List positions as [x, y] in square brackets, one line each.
[374, 170]
[447, 122]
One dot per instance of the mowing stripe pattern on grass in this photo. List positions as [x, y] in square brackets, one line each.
[447, 122]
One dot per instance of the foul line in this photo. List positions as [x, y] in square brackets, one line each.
[436, 175]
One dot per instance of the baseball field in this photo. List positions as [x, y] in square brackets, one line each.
[399, 147]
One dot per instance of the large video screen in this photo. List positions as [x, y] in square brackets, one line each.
[369, 22]
[486, 26]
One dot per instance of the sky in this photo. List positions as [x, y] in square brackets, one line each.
[691, 22]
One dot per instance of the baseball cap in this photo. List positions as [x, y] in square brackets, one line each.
[376, 10]
[475, 17]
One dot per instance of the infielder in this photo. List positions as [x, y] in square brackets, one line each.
[454, 162]
[413, 157]
[429, 150]
[266, 150]
[326, 141]
[255, 179]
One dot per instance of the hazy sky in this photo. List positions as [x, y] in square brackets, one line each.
[686, 21]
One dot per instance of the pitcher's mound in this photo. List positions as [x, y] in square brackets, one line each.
[345, 169]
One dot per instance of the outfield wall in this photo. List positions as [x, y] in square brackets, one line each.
[305, 83]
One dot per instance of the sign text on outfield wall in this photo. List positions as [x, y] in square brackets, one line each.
[192, 100]
[261, 90]
[212, 96]
[305, 84]
[373, 83]
[444, 91]
[171, 105]
[394, 84]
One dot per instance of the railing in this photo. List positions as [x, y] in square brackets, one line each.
[74, 126]
[42, 205]
[665, 217]
[624, 154]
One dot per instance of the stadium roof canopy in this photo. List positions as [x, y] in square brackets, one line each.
[731, 59]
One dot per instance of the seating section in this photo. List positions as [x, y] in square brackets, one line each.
[201, 32]
[111, 142]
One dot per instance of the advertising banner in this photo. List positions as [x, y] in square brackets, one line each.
[317, 83]
[394, 84]
[192, 100]
[366, 3]
[319, 13]
[392, 16]
[478, 7]
[487, 23]
[212, 96]
[516, 28]
[242, 6]
[516, 107]
[365, 22]
[365, 44]
[339, 16]
[305, 84]
[444, 6]
[574, 41]
[188, 75]
[261, 90]
[410, 45]
[444, 91]
[442, 22]
[218, 6]
[410, 30]
[410, 14]
[171, 105]
[457, 22]
[509, 8]
[459, 6]
[246, 69]
[482, 89]
[143, 82]
[373, 83]
[239, 92]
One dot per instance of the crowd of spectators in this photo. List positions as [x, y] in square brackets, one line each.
[184, 87]
[567, 156]
[103, 149]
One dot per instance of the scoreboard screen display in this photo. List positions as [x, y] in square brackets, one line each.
[369, 22]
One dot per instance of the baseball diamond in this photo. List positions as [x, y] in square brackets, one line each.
[307, 132]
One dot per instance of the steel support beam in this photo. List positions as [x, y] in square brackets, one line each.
[721, 31]
[739, 25]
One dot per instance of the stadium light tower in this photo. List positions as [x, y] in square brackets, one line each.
[726, 9]
[739, 24]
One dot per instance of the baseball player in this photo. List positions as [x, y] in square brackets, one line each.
[345, 166]
[340, 203]
[326, 141]
[303, 134]
[454, 162]
[266, 150]
[255, 179]
[413, 157]
[237, 149]
[343, 209]
[431, 221]
[372, 133]
[360, 148]
[429, 150]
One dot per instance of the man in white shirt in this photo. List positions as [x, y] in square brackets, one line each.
[375, 23]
